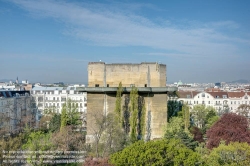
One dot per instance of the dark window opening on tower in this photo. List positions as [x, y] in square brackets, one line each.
[145, 85]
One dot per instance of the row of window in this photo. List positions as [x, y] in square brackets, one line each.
[242, 102]
[57, 104]
[58, 99]
[218, 102]
[52, 92]
[78, 110]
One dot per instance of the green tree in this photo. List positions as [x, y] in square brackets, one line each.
[118, 103]
[159, 152]
[133, 114]
[69, 114]
[175, 129]
[137, 115]
[37, 141]
[174, 107]
[210, 119]
[186, 116]
[199, 115]
[64, 117]
[233, 154]
[55, 123]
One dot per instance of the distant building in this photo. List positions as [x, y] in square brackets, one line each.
[16, 111]
[53, 98]
[217, 84]
[217, 99]
[48, 97]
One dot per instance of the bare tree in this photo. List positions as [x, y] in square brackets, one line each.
[17, 114]
[107, 134]
[244, 110]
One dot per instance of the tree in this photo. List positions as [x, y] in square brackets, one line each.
[230, 128]
[234, 153]
[11, 144]
[108, 135]
[174, 107]
[16, 114]
[118, 103]
[210, 119]
[175, 129]
[186, 116]
[243, 110]
[113, 138]
[69, 114]
[55, 123]
[198, 136]
[90, 161]
[158, 152]
[199, 115]
[37, 141]
[133, 114]
[137, 115]
[223, 110]
[68, 139]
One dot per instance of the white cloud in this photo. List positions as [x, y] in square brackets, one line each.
[103, 25]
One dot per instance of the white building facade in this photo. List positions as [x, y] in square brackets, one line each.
[218, 100]
[55, 97]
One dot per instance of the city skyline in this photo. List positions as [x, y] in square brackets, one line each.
[52, 41]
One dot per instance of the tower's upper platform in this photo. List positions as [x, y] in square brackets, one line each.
[145, 74]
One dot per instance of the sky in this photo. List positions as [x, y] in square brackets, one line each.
[53, 40]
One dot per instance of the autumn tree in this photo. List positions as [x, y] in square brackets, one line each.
[197, 134]
[230, 128]
[11, 144]
[68, 139]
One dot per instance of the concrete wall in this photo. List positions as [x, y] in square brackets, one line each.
[149, 74]
[156, 112]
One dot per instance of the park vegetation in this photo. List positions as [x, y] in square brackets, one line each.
[193, 136]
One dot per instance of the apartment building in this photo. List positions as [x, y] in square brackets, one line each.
[217, 99]
[16, 112]
[55, 97]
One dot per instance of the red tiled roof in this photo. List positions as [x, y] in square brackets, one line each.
[218, 94]
[213, 90]
[185, 94]
[236, 94]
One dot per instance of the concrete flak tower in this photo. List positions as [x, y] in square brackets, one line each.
[148, 77]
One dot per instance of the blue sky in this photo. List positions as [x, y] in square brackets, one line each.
[52, 41]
